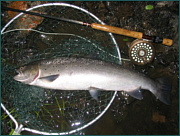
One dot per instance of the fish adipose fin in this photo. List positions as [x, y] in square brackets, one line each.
[94, 92]
[163, 90]
[49, 79]
[136, 93]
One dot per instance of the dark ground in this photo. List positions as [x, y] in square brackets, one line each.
[149, 116]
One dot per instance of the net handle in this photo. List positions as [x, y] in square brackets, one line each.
[18, 128]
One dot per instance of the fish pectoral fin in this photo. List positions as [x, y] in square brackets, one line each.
[94, 92]
[136, 93]
[49, 79]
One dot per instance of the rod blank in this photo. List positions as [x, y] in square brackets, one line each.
[111, 29]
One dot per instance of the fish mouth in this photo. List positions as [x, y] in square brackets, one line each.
[17, 70]
[20, 78]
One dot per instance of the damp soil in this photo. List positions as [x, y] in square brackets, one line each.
[127, 116]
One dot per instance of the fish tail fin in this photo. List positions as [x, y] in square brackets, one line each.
[163, 90]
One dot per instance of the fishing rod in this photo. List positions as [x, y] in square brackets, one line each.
[111, 29]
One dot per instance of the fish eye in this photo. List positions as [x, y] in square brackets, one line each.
[21, 68]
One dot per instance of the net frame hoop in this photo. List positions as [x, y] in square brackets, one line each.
[107, 107]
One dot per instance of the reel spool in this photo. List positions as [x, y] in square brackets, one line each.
[141, 52]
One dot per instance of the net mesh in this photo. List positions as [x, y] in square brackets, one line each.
[46, 110]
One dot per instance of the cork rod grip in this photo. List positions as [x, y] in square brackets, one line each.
[117, 30]
[125, 32]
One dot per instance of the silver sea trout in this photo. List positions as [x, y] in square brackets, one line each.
[65, 73]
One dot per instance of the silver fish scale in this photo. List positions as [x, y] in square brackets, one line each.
[65, 65]
[66, 60]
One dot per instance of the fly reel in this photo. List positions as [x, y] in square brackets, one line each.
[141, 52]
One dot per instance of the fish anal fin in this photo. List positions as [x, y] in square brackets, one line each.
[136, 93]
[94, 92]
[49, 79]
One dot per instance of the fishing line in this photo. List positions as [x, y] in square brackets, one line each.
[67, 34]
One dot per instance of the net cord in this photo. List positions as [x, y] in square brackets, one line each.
[66, 35]
[99, 116]
[69, 5]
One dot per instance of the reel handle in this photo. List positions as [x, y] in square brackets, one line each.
[125, 32]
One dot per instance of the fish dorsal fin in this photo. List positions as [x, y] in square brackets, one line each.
[49, 79]
[94, 92]
[136, 93]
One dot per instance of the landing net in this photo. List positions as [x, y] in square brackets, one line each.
[46, 111]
